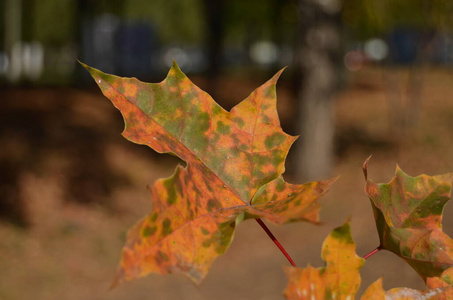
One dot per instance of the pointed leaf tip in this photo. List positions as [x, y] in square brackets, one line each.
[95, 73]
[333, 180]
[89, 69]
[365, 167]
[83, 64]
[174, 65]
[277, 75]
[399, 171]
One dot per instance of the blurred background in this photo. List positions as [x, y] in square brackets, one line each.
[363, 77]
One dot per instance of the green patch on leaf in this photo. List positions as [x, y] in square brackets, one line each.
[274, 140]
[222, 128]
[166, 227]
[148, 231]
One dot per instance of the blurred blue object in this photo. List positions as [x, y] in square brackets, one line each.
[98, 42]
[121, 48]
[137, 49]
[404, 45]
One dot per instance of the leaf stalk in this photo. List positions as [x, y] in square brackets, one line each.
[276, 242]
[373, 252]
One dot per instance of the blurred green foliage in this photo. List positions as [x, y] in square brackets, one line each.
[180, 20]
[261, 19]
[53, 21]
[367, 18]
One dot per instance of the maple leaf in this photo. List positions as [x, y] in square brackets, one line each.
[234, 164]
[408, 213]
[339, 279]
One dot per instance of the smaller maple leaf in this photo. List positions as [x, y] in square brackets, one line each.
[376, 292]
[408, 213]
[339, 279]
[444, 281]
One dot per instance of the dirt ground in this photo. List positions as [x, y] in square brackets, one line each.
[72, 186]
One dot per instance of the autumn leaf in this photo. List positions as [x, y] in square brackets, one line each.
[444, 281]
[376, 292]
[408, 213]
[339, 279]
[234, 162]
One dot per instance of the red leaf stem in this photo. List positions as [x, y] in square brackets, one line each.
[274, 239]
[373, 252]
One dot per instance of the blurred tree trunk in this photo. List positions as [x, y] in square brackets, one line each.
[83, 14]
[405, 94]
[405, 100]
[13, 36]
[214, 14]
[317, 56]
[28, 14]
